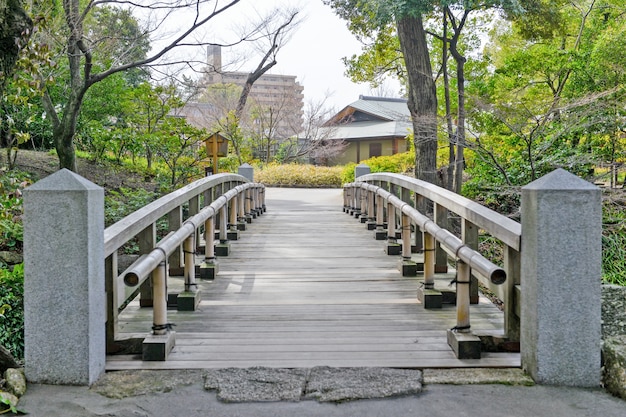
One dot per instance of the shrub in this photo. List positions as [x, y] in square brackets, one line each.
[614, 240]
[399, 163]
[296, 175]
[122, 202]
[12, 309]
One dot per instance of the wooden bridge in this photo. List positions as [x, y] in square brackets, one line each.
[352, 277]
[306, 285]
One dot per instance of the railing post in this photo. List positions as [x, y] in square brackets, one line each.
[249, 212]
[157, 346]
[241, 211]
[209, 268]
[110, 282]
[194, 208]
[362, 216]
[512, 298]
[441, 257]
[174, 221]
[392, 247]
[371, 210]
[380, 233]
[189, 299]
[469, 236]
[460, 338]
[561, 280]
[64, 280]
[147, 241]
[418, 204]
[233, 233]
[407, 266]
[223, 248]
[427, 295]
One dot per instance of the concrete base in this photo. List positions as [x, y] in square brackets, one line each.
[408, 268]
[158, 347]
[380, 235]
[393, 249]
[232, 235]
[172, 300]
[430, 298]
[464, 345]
[363, 219]
[371, 225]
[242, 225]
[189, 300]
[249, 218]
[208, 270]
[222, 249]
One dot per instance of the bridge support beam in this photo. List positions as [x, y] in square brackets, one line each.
[64, 284]
[561, 272]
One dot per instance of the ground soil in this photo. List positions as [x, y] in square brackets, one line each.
[105, 174]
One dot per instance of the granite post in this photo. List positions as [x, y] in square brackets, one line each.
[64, 297]
[561, 273]
[246, 170]
[361, 170]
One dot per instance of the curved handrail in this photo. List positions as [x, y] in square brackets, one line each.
[497, 225]
[116, 235]
[142, 267]
[453, 244]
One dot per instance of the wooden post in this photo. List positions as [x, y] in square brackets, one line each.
[407, 266]
[441, 257]
[464, 344]
[427, 294]
[147, 241]
[189, 299]
[469, 236]
[209, 268]
[157, 346]
[159, 320]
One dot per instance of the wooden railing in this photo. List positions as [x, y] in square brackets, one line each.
[426, 209]
[224, 201]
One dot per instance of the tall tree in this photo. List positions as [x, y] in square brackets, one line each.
[407, 16]
[86, 69]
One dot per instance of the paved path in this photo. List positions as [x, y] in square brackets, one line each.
[192, 400]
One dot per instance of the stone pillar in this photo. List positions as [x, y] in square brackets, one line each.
[247, 171]
[64, 296]
[560, 280]
[360, 170]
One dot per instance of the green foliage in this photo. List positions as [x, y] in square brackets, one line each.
[11, 232]
[399, 163]
[12, 309]
[120, 203]
[614, 241]
[296, 175]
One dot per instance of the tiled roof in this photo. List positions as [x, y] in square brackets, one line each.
[388, 109]
[370, 129]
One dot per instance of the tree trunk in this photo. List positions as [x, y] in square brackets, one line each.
[422, 96]
[460, 127]
[449, 124]
[15, 29]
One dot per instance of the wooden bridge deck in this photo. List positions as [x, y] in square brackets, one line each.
[306, 285]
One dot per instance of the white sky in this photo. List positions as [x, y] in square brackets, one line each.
[313, 54]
